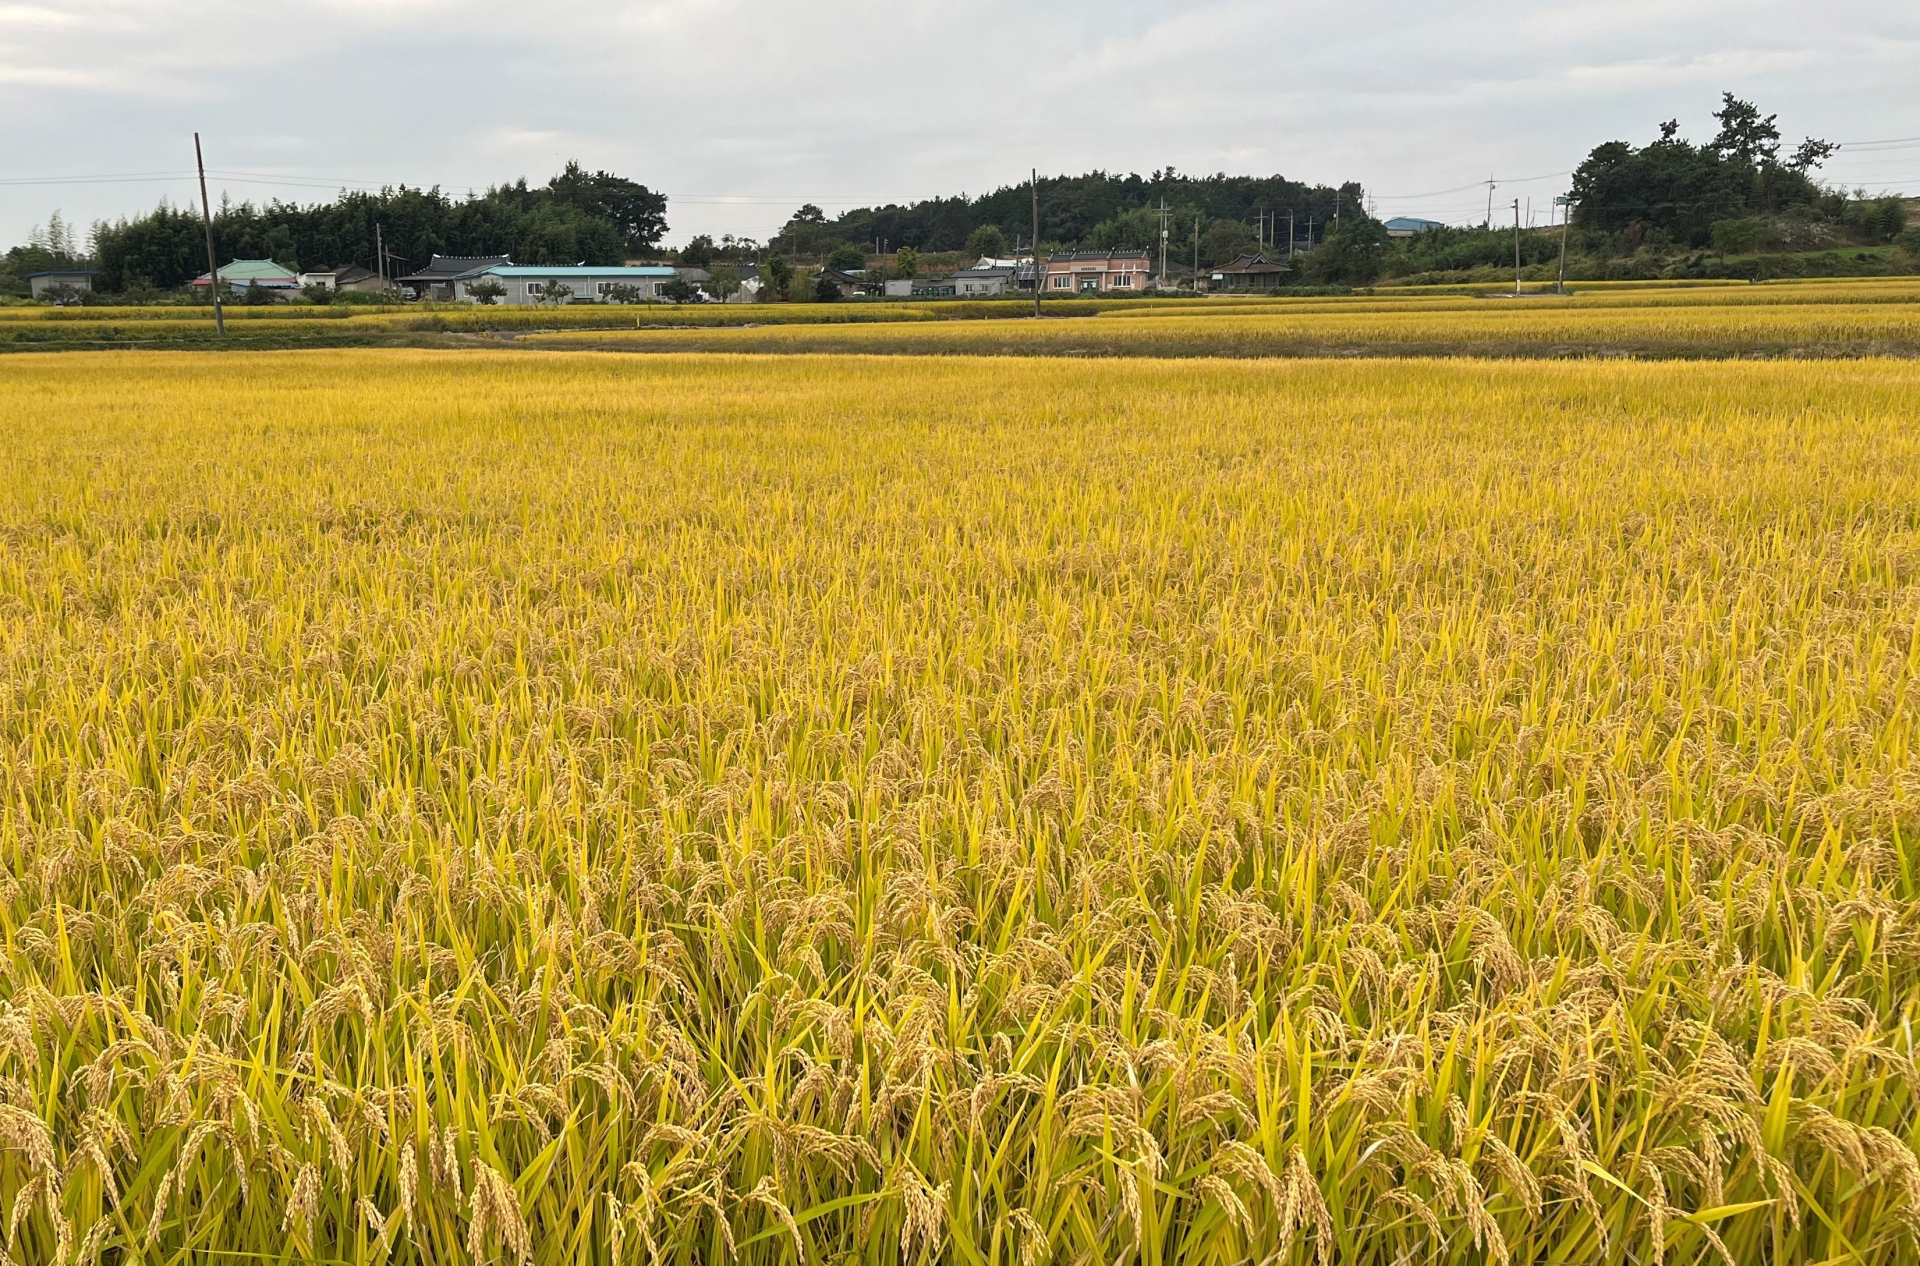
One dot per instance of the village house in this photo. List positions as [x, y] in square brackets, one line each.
[939, 286]
[582, 283]
[436, 280]
[60, 282]
[1250, 272]
[849, 285]
[1089, 272]
[265, 274]
[345, 277]
[993, 277]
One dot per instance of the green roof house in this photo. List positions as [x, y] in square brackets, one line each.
[241, 273]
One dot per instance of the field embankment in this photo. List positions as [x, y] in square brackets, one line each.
[548, 807]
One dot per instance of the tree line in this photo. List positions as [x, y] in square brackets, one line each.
[576, 217]
[1095, 211]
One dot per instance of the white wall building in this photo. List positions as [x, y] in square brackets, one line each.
[585, 283]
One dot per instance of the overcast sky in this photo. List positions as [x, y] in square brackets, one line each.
[742, 109]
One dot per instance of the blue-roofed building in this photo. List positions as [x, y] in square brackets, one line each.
[551, 283]
[1409, 226]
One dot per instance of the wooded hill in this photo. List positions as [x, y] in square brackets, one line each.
[1097, 211]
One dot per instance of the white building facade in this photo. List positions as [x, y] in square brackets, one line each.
[586, 283]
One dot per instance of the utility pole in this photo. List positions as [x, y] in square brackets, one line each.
[1037, 275]
[1196, 254]
[1163, 241]
[1289, 233]
[1516, 248]
[1489, 220]
[1565, 204]
[380, 254]
[206, 220]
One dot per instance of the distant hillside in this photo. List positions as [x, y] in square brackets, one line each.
[1097, 211]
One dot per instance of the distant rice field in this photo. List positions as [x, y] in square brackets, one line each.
[1842, 318]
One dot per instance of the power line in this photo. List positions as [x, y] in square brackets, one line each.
[1478, 184]
[1897, 142]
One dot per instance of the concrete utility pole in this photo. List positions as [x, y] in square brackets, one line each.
[380, 254]
[206, 219]
[1163, 241]
[1196, 254]
[1489, 220]
[1565, 204]
[1289, 234]
[1038, 276]
[1516, 247]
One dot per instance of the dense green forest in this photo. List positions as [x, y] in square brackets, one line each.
[578, 216]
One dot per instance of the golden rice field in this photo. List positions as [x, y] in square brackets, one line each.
[1828, 318]
[585, 809]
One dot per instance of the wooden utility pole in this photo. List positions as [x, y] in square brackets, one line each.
[1289, 234]
[1038, 277]
[380, 254]
[206, 220]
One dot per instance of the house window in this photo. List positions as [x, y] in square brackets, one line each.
[1062, 282]
[1123, 281]
[535, 288]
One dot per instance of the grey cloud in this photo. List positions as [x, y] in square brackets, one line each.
[845, 101]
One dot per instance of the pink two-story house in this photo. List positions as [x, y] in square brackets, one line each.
[1086, 272]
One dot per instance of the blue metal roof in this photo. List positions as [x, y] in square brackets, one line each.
[1413, 224]
[576, 270]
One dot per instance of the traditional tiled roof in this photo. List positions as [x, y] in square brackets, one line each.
[573, 270]
[1252, 264]
[447, 267]
[1076, 257]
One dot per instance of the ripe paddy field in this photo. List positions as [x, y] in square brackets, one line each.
[542, 805]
